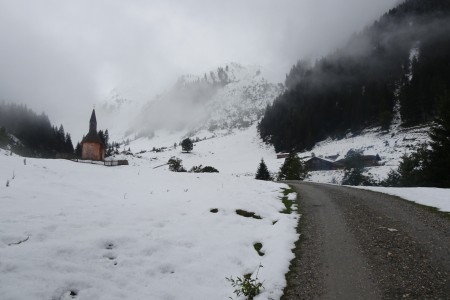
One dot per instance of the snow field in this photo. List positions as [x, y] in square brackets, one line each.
[390, 146]
[135, 232]
[238, 152]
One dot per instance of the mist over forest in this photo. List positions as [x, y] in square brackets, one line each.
[401, 61]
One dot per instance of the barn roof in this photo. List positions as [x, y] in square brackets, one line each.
[320, 158]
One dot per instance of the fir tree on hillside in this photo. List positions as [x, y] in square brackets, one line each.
[429, 165]
[187, 145]
[292, 169]
[4, 137]
[439, 158]
[263, 173]
[78, 150]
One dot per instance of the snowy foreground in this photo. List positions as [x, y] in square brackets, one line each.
[135, 232]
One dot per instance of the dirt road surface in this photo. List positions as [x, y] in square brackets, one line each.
[358, 244]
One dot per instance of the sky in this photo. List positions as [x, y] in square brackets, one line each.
[62, 57]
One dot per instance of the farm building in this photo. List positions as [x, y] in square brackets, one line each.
[318, 164]
[363, 161]
[92, 146]
[282, 155]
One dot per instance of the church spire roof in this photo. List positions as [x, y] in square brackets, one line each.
[92, 136]
[93, 122]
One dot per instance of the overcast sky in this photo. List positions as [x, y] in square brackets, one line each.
[62, 56]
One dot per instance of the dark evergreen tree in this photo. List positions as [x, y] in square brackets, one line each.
[187, 145]
[438, 169]
[68, 144]
[292, 169]
[429, 165]
[4, 137]
[263, 173]
[78, 150]
[355, 176]
[176, 165]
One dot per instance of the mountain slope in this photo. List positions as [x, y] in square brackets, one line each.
[402, 61]
[231, 97]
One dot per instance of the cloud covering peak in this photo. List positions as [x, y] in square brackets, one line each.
[63, 56]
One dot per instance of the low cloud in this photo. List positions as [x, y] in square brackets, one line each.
[62, 57]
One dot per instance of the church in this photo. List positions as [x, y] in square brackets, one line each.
[92, 146]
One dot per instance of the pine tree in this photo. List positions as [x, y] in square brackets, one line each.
[438, 168]
[292, 169]
[78, 150]
[4, 137]
[68, 144]
[263, 173]
[176, 165]
[187, 145]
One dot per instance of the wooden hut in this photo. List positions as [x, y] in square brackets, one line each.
[92, 146]
[318, 164]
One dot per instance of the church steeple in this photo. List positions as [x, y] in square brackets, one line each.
[93, 122]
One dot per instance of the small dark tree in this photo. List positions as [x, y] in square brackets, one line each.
[209, 169]
[205, 169]
[263, 173]
[176, 165]
[412, 171]
[78, 150]
[438, 169]
[354, 168]
[187, 145]
[292, 169]
[355, 177]
[69, 146]
[4, 137]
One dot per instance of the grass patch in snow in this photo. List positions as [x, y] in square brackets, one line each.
[258, 247]
[247, 214]
[286, 201]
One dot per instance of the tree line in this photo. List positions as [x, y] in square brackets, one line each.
[37, 136]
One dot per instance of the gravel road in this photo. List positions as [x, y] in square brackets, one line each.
[358, 244]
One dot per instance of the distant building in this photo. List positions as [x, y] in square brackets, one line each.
[282, 155]
[92, 146]
[318, 164]
[364, 161]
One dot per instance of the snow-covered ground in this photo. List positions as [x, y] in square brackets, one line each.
[390, 146]
[434, 197]
[143, 232]
[135, 232]
[237, 152]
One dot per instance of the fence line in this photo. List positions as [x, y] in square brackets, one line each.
[108, 163]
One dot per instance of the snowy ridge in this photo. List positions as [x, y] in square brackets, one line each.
[243, 101]
[230, 97]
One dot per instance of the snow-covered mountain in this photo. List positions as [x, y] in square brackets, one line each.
[115, 112]
[233, 96]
